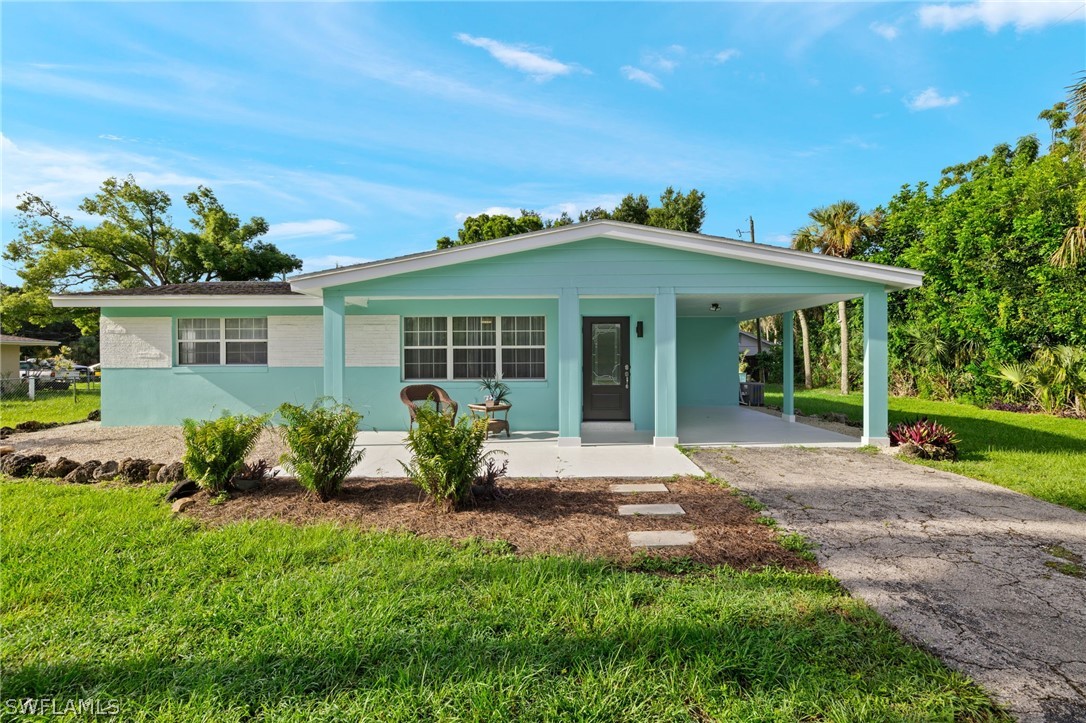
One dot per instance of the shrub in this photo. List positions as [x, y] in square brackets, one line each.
[321, 441]
[215, 449]
[446, 455]
[925, 439]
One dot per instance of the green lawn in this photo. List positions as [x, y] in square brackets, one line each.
[107, 596]
[1038, 454]
[51, 405]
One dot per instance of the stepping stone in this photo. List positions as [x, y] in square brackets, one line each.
[650, 510]
[661, 538]
[626, 489]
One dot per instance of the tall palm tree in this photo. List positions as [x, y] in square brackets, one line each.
[835, 230]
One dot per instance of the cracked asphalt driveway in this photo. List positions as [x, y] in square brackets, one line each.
[961, 567]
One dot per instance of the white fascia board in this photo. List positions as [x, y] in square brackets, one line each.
[194, 300]
[894, 278]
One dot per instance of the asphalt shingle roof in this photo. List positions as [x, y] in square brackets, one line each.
[202, 288]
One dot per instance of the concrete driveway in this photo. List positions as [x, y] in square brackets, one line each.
[963, 568]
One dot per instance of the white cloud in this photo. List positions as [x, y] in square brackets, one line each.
[995, 14]
[638, 75]
[886, 30]
[931, 98]
[727, 54]
[859, 89]
[665, 61]
[325, 229]
[518, 57]
[330, 261]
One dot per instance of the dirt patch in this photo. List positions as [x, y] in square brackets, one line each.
[90, 440]
[539, 516]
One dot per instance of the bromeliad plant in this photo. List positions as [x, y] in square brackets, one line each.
[321, 442]
[216, 449]
[926, 439]
[446, 455]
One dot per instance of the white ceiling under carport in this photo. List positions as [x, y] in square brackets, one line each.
[748, 306]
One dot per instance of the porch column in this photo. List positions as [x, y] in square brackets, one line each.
[334, 355]
[788, 383]
[569, 368]
[666, 407]
[876, 370]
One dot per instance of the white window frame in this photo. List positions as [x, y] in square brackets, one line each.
[177, 341]
[449, 347]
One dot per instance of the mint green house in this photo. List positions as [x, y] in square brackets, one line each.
[599, 323]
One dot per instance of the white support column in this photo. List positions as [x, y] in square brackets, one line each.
[569, 369]
[876, 371]
[788, 383]
[667, 399]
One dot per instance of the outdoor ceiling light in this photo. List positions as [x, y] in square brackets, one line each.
[714, 306]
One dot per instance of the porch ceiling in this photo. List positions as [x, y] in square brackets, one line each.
[748, 306]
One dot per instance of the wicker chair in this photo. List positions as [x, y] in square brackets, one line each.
[412, 395]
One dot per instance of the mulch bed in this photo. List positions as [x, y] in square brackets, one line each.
[578, 516]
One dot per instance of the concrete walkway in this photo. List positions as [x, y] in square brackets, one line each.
[962, 567]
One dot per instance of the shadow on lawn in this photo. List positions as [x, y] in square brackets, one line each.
[978, 435]
[803, 664]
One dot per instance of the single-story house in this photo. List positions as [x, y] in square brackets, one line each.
[748, 343]
[10, 355]
[598, 322]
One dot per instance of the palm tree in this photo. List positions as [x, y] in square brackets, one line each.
[1073, 248]
[835, 230]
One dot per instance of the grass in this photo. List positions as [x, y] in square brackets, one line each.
[52, 405]
[105, 595]
[1037, 454]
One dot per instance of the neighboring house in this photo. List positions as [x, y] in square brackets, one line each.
[10, 355]
[598, 321]
[748, 343]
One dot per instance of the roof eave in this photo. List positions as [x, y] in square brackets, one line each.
[190, 300]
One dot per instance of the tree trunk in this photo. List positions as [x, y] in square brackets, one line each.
[806, 348]
[842, 317]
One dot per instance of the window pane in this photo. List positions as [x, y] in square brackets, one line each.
[524, 363]
[246, 352]
[424, 364]
[474, 331]
[473, 363]
[198, 352]
[197, 329]
[424, 331]
[246, 328]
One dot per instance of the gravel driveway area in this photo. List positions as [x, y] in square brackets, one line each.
[961, 567]
[90, 440]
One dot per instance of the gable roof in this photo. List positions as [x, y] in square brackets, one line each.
[893, 277]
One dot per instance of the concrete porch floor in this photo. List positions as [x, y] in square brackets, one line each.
[537, 454]
[745, 427]
[618, 453]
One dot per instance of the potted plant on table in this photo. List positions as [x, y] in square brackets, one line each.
[497, 392]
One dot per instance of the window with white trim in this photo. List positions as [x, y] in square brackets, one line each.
[204, 342]
[472, 347]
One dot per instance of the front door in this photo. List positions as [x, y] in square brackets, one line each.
[606, 364]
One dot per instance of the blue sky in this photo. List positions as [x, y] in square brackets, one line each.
[362, 131]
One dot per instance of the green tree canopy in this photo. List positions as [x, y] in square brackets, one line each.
[679, 211]
[134, 244]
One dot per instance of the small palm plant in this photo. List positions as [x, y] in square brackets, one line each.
[1054, 378]
[321, 441]
[498, 391]
[446, 455]
[215, 449]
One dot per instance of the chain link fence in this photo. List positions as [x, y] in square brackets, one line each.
[68, 397]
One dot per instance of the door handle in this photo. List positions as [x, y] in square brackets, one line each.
[627, 376]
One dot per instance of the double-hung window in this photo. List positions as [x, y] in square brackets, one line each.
[472, 347]
[203, 342]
